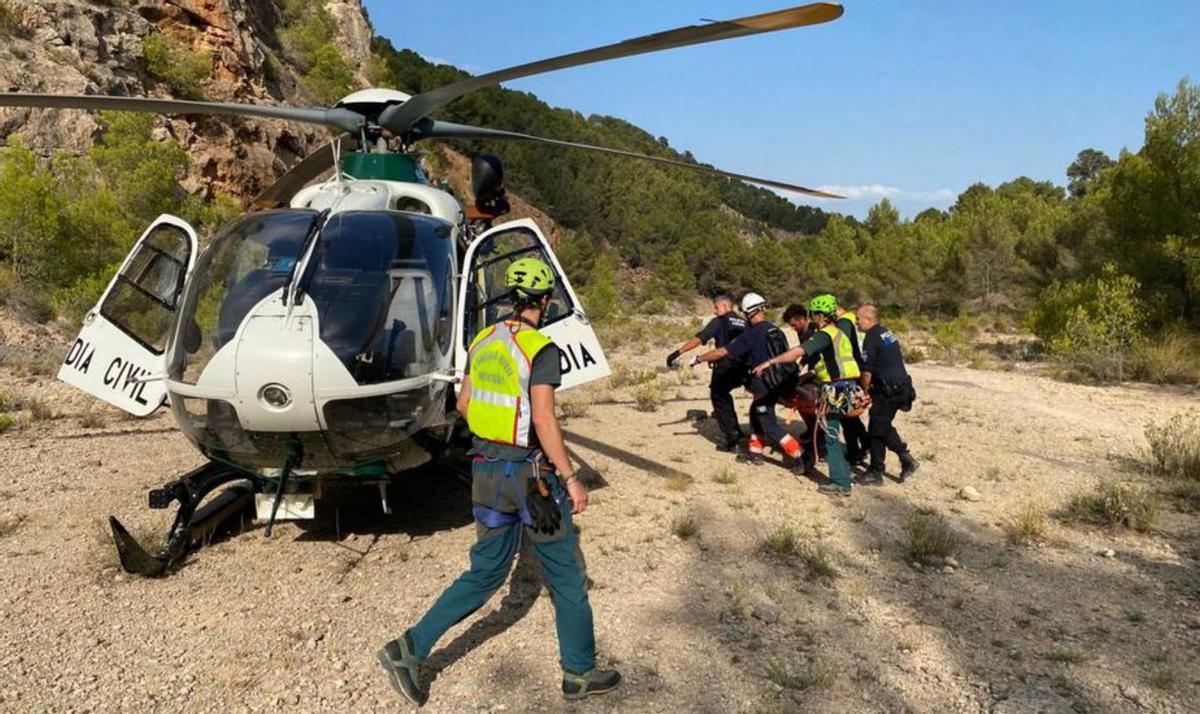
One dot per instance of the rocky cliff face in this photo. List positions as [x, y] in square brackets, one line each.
[77, 47]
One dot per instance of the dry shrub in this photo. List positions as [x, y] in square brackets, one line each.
[1113, 504]
[1175, 446]
[6, 423]
[781, 541]
[679, 481]
[807, 676]
[624, 376]
[685, 526]
[929, 536]
[92, 418]
[914, 355]
[1028, 526]
[573, 408]
[9, 523]
[1172, 357]
[648, 398]
[725, 476]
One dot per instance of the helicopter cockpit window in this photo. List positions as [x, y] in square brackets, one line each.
[381, 282]
[143, 299]
[488, 301]
[249, 260]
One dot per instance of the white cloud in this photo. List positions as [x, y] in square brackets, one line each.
[875, 192]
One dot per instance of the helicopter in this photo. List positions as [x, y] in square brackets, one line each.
[321, 337]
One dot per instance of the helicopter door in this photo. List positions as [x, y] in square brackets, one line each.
[483, 301]
[125, 335]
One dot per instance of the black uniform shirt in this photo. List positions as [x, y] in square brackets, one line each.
[723, 329]
[882, 357]
[751, 347]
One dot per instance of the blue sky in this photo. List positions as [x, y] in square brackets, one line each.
[912, 99]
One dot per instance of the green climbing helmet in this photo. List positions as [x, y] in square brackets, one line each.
[825, 304]
[529, 277]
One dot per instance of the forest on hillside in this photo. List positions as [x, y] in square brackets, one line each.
[1098, 267]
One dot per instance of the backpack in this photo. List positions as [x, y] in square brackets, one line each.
[778, 375]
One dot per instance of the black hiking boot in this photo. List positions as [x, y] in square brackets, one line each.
[746, 457]
[806, 469]
[873, 476]
[832, 489]
[729, 445]
[582, 686]
[908, 466]
[403, 668]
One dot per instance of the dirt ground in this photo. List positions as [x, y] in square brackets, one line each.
[706, 623]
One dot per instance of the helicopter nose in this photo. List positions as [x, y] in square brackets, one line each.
[274, 372]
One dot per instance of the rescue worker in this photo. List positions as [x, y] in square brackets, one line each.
[727, 374]
[853, 430]
[760, 342]
[507, 397]
[797, 317]
[891, 390]
[838, 373]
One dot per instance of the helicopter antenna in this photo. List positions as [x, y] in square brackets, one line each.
[336, 145]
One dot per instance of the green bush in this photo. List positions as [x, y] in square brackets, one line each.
[1175, 446]
[1113, 504]
[329, 78]
[6, 423]
[181, 68]
[1091, 325]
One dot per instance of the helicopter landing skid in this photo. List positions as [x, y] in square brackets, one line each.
[193, 526]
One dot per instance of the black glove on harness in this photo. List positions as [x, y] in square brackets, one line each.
[543, 510]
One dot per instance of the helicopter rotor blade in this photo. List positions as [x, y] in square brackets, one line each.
[343, 119]
[431, 129]
[399, 118]
[297, 177]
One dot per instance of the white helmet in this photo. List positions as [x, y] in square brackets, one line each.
[752, 303]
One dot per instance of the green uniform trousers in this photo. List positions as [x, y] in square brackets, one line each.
[501, 485]
[839, 468]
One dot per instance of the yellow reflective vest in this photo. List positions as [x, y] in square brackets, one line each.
[842, 350]
[501, 361]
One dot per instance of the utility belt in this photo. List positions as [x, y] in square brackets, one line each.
[900, 391]
[538, 502]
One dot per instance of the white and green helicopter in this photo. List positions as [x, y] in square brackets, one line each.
[321, 336]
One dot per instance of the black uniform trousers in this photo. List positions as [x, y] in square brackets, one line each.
[882, 433]
[727, 375]
[857, 439]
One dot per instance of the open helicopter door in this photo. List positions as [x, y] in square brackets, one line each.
[483, 300]
[124, 336]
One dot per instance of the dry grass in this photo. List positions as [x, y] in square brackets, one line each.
[6, 423]
[1172, 357]
[780, 541]
[1065, 655]
[929, 536]
[685, 526]
[647, 398]
[679, 482]
[625, 376]
[573, 408]
[804, 677]
[1112, 504]
[786, 542]
[92, 418]
[9, 523]
[725, 476]
[1175, 446]
[1029, 526]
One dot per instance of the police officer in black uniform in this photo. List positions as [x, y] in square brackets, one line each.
[727, 374]
[891, 390]
[797, 317]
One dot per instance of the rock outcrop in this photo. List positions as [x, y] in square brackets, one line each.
[78, 47]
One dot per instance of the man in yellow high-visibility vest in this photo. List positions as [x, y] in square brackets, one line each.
[507, 397]
[838, 372]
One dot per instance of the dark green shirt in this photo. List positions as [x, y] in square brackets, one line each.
[546, 369]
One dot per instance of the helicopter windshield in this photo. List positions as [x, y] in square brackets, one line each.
[250, 259]
[381, 283]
